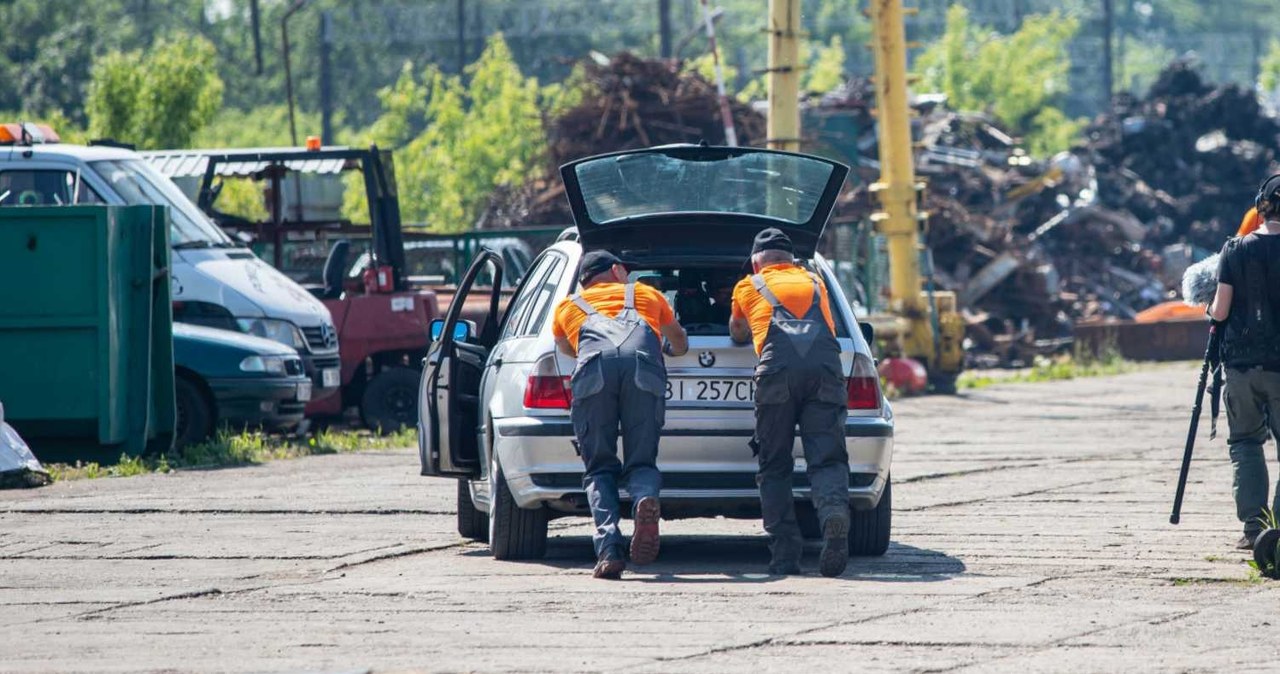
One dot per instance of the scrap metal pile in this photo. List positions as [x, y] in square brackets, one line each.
[630, 102]
[1105, 230]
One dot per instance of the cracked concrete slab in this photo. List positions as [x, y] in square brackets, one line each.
[1031, 534]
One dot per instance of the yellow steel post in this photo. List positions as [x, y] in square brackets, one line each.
[784, 75]
[899, 220]
[896, 188]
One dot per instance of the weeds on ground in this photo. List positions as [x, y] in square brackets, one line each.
[237, 449]
[1081, 364]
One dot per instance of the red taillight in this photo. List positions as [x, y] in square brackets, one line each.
[863, 385]
[547, 392]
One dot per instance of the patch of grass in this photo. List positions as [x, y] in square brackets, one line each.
[237, 449]
[1056, 368]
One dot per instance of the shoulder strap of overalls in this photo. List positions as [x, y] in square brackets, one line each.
[817, 290]
[757, 280]
[629, 297]
[584, 305]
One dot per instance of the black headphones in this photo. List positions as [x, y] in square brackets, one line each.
[1265, 193]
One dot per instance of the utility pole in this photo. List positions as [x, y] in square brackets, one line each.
[326, 78]
[784, 75]
[288, 69]
[462, 36]
[664, 28]
[1108, 30]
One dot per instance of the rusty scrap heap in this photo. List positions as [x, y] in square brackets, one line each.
[630, 102]
[1106, 230]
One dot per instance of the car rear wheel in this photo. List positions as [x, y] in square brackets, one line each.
[869, 529]
[195, 413]
[472, 523]
[390, 400]
[514, 532]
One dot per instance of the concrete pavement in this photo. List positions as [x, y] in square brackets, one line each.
[1030, 534]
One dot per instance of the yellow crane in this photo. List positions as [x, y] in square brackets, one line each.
[925, 324]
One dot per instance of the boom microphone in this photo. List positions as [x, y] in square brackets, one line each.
[1200, 282]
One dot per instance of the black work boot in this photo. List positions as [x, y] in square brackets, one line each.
[784, 558]
[835, 546]
[610, 565]
[1246, 541]
[645, 540]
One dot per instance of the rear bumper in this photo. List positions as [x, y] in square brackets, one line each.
[267, 403]
[705, 471]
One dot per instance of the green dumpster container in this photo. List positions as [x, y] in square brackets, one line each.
[86, 330]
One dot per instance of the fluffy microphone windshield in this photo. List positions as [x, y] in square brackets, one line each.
[1200, 282]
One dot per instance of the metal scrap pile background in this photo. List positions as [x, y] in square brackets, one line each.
[1033, 247]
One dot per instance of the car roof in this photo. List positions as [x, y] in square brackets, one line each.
[64, 150]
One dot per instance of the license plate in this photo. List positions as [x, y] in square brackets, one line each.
[330, 378]
[681, 389]
[304, 392]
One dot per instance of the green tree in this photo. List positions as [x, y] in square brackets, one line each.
[1019, 78]
[470, 139]
[826, 67]
[156, 99]
[1269, 69]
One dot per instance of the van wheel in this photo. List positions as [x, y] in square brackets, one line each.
[195, 414]
[390, 400]
[869, 529]
[472, 523]
[514, 532]
[807, 518]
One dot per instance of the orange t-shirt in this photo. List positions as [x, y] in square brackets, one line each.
[794, 288]
[607, 298]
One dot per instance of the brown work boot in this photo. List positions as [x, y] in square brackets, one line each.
[645, 541]
[610, 566]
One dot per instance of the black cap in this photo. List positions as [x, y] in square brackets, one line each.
[596, 262]
[772, 239]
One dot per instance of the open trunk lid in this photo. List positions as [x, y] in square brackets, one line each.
[704, 200]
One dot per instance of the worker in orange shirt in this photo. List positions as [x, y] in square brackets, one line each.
[612, 327]
[784, 310]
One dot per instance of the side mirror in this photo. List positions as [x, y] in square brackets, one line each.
[462, 330]
[868, 333]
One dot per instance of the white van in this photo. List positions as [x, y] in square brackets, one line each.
[216, 281]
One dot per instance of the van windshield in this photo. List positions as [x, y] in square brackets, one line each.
[138, 184]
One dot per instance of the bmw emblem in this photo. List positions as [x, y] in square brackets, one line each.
[706, 359]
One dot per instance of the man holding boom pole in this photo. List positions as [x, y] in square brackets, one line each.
[1247, 305]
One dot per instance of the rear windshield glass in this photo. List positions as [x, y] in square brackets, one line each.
[703, 296]
[783, 187]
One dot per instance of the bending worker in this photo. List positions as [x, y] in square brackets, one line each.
[1248, 303]
[612, 328]
[784, 310]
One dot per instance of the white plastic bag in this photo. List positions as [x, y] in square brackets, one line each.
[18, 466]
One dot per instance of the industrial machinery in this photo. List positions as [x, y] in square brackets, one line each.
[924, 323]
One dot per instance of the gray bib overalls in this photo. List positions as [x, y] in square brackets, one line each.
[799, 381]
[620, 381]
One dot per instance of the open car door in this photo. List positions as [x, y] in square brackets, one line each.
[449, 393]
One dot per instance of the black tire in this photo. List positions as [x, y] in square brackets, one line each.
[514, 532]
[195, 413]
[869, 529]
[807, 518]
[390, 401]
[472, 523]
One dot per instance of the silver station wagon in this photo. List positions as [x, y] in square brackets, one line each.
[494, 403]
